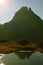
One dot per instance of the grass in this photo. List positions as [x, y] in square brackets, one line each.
[11, 46]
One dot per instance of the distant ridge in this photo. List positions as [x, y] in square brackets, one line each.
[24, 25]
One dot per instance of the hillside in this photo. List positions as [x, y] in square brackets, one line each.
[24, 25]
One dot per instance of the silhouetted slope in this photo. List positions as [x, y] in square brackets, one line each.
[24, 25]
[29, 24]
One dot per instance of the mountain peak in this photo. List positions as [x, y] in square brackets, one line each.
[24, 8]
[24, 13]
[30, 9]
[25, 25]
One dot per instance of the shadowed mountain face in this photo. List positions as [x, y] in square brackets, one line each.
[24, 25]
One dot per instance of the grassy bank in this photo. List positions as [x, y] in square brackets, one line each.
[11, 46]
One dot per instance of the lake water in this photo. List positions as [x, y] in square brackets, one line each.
[22, 58]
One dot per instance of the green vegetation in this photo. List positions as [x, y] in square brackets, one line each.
[25, 25]
[23, 32]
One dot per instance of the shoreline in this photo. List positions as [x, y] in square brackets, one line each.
[9, 47]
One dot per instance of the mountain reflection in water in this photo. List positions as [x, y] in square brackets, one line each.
[23, 55]
[23, 58]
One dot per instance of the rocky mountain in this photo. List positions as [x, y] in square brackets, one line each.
[24, 25]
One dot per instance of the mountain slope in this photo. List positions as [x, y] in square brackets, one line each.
[24, 25]
[29, 24]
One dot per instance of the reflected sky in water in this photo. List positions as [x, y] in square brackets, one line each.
[2, 64]
[21, 58]
[1, 55]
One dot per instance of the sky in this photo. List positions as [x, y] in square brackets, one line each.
[10, 7]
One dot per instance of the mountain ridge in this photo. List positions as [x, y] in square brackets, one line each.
[24, 25]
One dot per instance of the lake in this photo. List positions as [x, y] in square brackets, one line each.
[22, 58]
